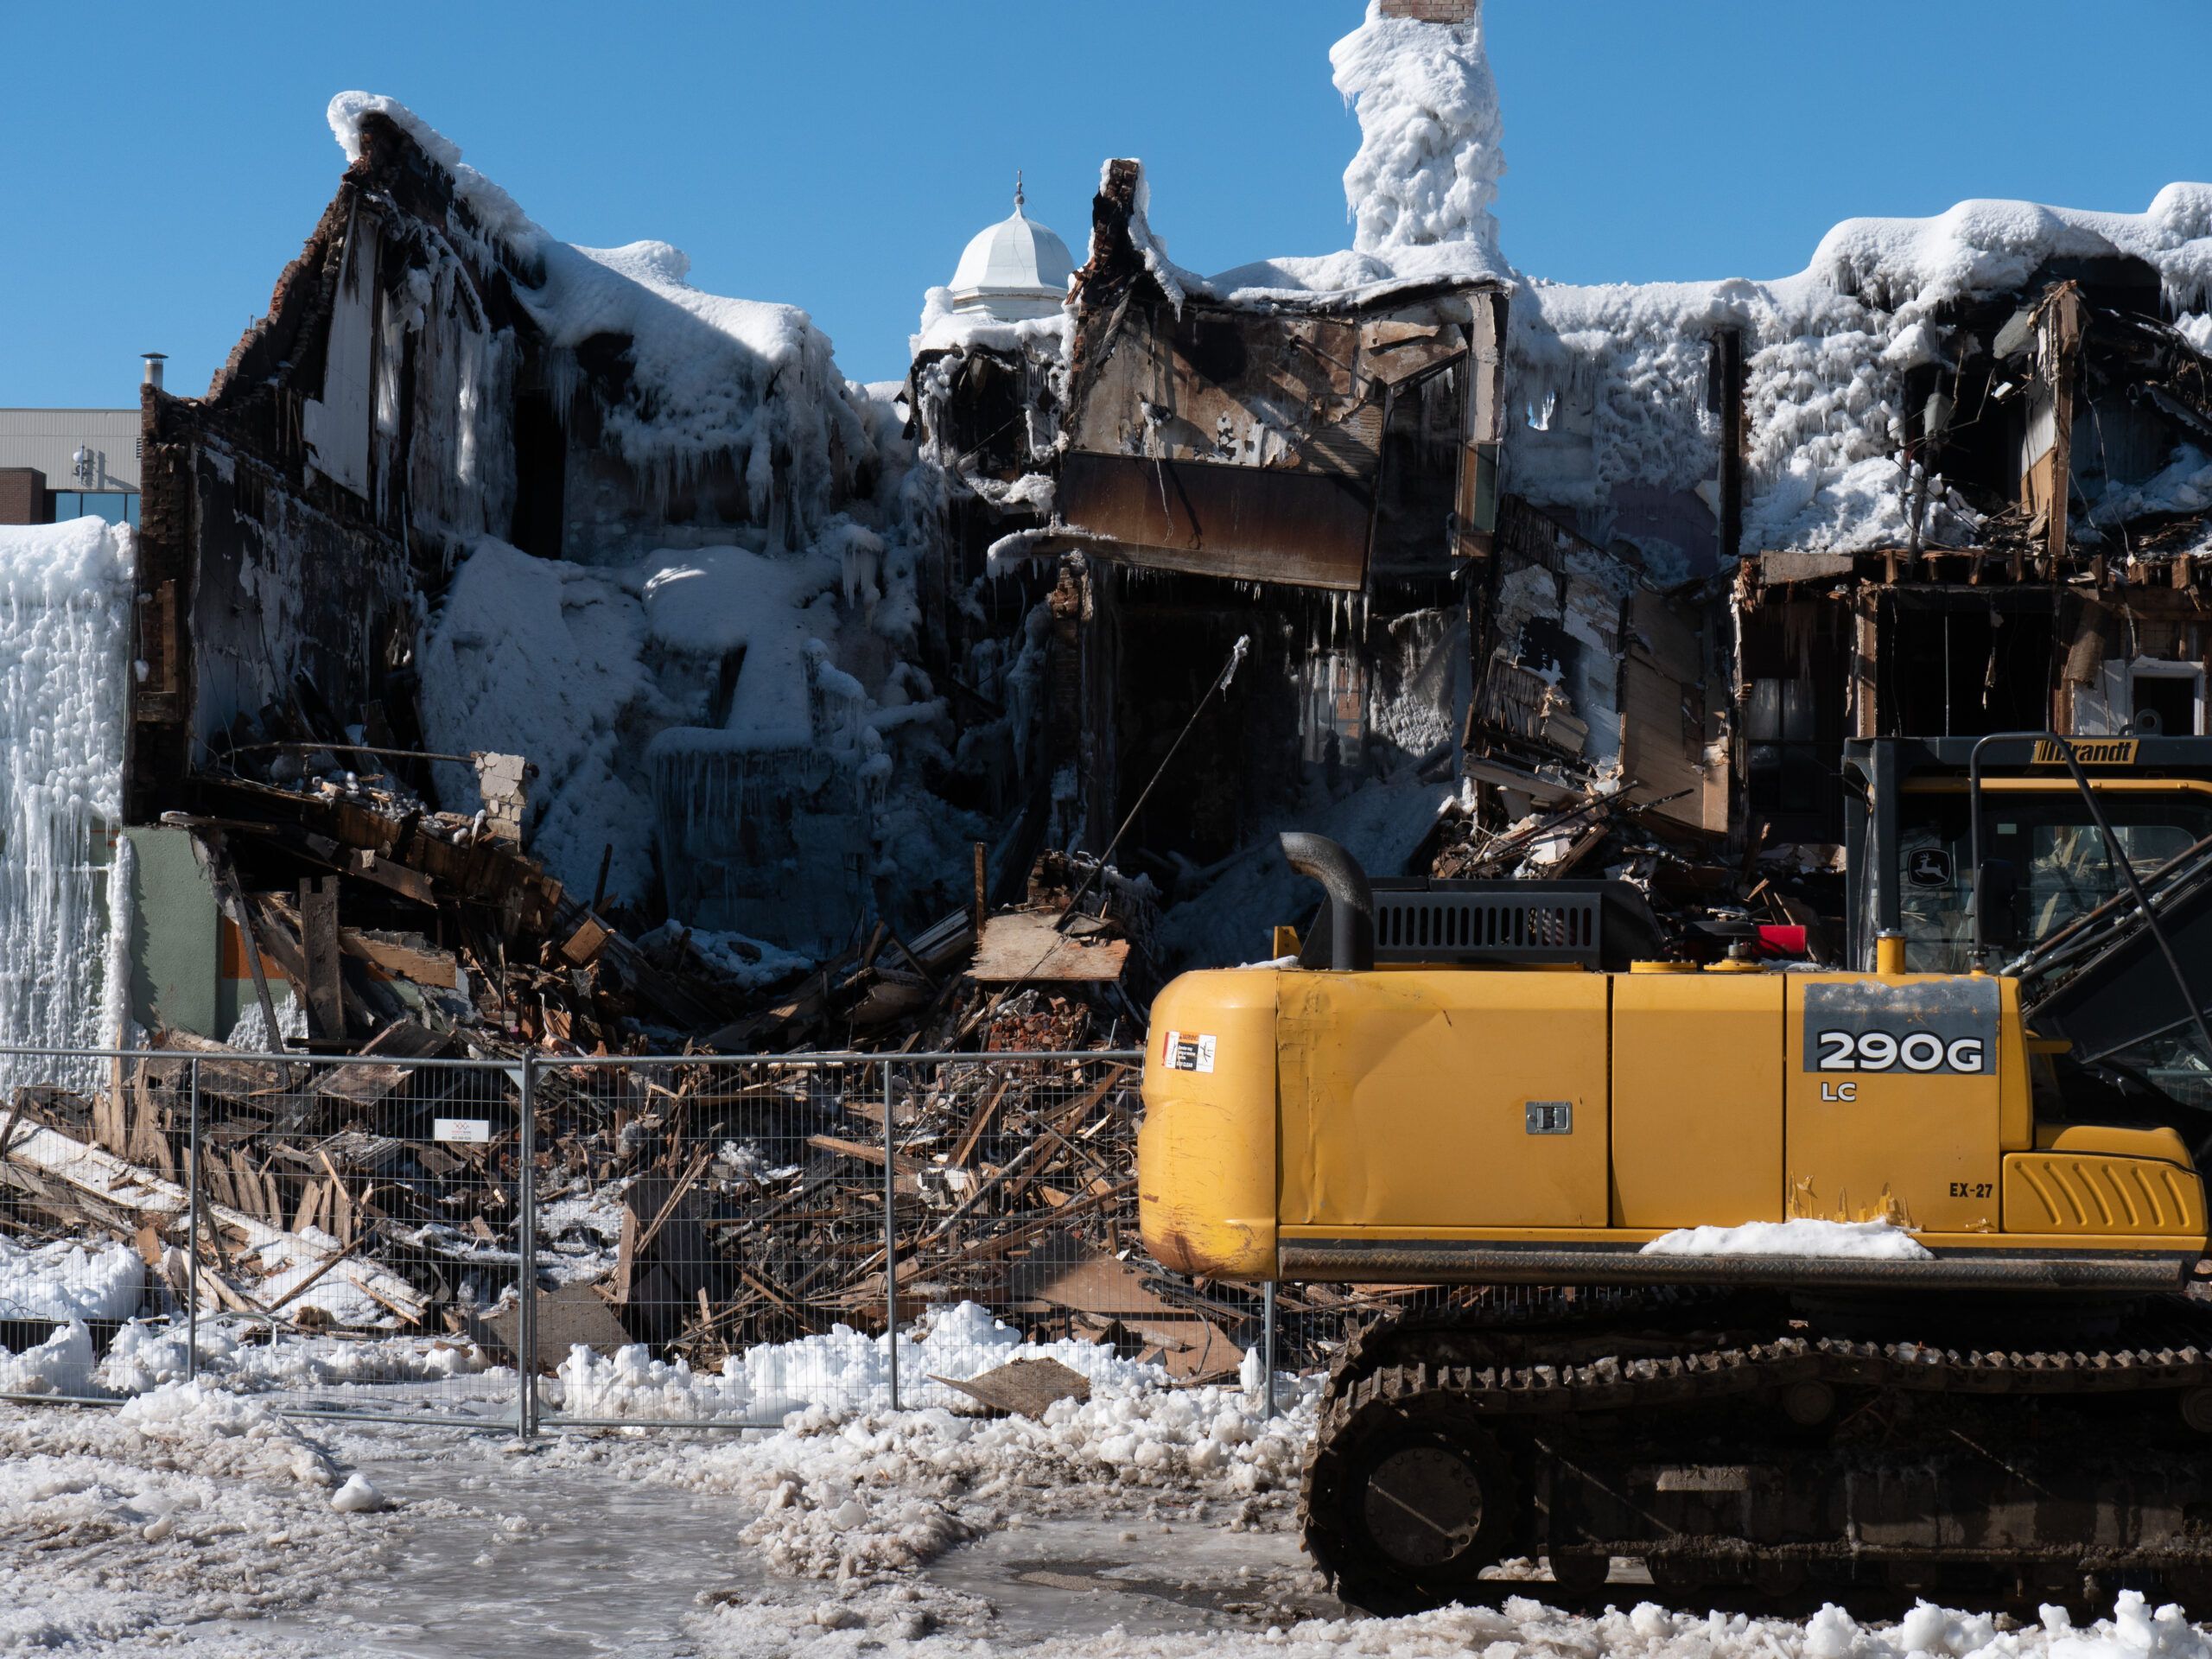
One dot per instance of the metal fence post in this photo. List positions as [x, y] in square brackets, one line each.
[526, 1249]
[1268, 1340]
[192, 1243]
[890, 1235]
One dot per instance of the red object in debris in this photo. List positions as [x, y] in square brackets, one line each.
[1781, 942]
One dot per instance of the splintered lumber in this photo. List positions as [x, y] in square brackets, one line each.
[1023, 1386]
[911, 1267]
[369, 1082]
[224, 1075]
[1028, 946]
[313, 1278]
[324, 989]
[68, 1178]
[582, 948]
[392, 874]
[402, 955]
[906, 1176]
[978, 1125]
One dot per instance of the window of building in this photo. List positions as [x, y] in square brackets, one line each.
[116, 506]
[2168, 698]
[1783, 747]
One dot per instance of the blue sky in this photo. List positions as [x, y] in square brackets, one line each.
[162, 163]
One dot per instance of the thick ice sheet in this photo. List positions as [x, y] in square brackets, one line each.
[64, 629]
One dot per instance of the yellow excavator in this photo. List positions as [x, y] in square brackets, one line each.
[1791, 1284]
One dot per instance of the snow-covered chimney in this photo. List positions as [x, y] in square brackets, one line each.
[154, 362]
[1431, 136]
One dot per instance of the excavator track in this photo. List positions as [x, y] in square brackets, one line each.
[1748, 1453]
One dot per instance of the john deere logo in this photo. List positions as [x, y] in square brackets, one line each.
[1929, 867]
[2090, 752]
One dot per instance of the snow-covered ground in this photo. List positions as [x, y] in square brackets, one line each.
[194, 1522]
[1145, 1520]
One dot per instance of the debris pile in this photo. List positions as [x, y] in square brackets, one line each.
[697, 1204]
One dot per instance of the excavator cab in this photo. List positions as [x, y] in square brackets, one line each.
[2050, 890]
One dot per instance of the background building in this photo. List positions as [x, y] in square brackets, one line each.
[59, 464]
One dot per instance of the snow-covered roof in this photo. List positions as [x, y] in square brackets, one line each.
[713, 377]
[1013, 270]
[1610, 378]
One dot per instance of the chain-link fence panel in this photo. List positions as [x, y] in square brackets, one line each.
[766, 1216]
[710, 1241]
[685, 1240]
[1017, 1218]
[342, 1235]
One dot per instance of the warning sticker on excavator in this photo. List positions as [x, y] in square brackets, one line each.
[1187, 1052]
[1933, 1027]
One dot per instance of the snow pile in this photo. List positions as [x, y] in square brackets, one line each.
[755, 1630]
[670, 702]
[65, 633]
[717, 382]
[1980, 248]
[68, 1280]
[945, 328]
[746, 384]
[843, 1370]
[539, 658]
[62, 1365]
[126, 1526]
[845, 1494]
[357, 1497]
[1857, 1241]
[149, 1354]
[1610, 381]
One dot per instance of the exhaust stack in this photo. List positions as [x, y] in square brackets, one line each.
[1351, 901]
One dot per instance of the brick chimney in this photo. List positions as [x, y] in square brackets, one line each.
[1432, 11]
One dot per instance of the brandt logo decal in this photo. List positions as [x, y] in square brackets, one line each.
[2090, 752]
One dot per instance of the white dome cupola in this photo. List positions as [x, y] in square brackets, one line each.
[1014, 270]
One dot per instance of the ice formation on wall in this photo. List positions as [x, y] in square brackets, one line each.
[718, 694]
[1421, 189]
[65, 624]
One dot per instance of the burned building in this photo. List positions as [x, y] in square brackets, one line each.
[1624, 568]
[515, 596]
[509, 608]
[1288, 544]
